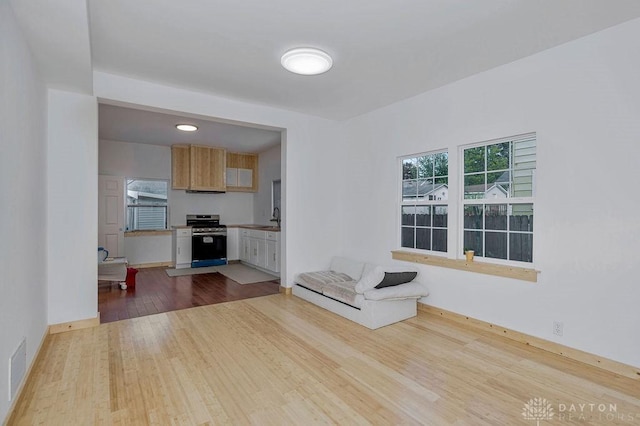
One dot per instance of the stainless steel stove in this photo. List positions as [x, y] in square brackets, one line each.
[208, 240]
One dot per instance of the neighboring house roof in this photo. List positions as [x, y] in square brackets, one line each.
[424, 187]
[500, 188]
[505, 178]
[479, 189]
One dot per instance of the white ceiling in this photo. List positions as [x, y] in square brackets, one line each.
[58, 35]
[139, 126]
[384, 51]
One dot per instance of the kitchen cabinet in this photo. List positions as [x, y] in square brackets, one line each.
[272, 251]
[207, 169]
[272, 256]
[245, 246]
[258, 252]
[233, 244]
[181, 248]
[242, 172]
[198, 168]
[180, 166]
[260, 249]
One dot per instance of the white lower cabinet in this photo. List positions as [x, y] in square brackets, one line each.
[245, 246]
[273, 263]
[233, 244]
[260, 249]
[181, 248]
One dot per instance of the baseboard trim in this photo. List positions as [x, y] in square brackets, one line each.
[285, 290]
[556, 348]
[36, 357]
[75, 325]
[151, 265]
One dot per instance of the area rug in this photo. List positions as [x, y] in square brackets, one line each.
[191, 271]
[245, 275]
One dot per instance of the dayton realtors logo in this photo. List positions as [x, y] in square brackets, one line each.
[537, 409]
[540, 409]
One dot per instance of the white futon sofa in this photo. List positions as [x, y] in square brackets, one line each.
[373, 296]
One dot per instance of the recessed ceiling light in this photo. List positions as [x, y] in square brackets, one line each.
[306, 61]
[186, 127]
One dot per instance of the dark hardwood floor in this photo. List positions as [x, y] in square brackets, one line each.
[156, 292]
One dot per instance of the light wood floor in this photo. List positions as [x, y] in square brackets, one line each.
[279, 360]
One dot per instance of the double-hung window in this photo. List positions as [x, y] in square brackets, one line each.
[498, 198]
[146, 204]
[424, 209]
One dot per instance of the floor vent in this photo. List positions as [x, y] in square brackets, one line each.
[17, 368]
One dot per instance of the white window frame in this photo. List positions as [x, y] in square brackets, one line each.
[424, 202]
[127, 205]
[489, 201]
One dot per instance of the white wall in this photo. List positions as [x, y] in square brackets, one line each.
[127, 159]
[233, 207]
[23, 210]
[72, 187]
[269, 169]
[140, 250]
[583, 100]
[310, 144]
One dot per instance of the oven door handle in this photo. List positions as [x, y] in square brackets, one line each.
[210, 234]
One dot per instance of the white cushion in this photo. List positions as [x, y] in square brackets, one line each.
[368, 268]
[370, 280]
[403, 291]
[318, 280]
[351, 267]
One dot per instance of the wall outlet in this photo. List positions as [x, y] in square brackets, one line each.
[558, 326]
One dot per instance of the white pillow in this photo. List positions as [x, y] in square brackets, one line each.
[351, 267]
[402, 291]
[370, 280]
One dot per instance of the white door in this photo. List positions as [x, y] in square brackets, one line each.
[111, 214]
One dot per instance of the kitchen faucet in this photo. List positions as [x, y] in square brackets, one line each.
[276, 216]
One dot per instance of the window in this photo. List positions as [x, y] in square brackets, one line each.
[276, 188]
[424, 209]
[498, 202]
[146, 204]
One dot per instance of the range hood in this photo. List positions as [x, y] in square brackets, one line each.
[195, 191]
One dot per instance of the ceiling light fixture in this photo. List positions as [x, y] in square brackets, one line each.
[306, 61]
[186, 127]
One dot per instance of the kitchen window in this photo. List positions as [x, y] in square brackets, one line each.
[424, 207]
[498, 198]
[147, 207]
[276, 194]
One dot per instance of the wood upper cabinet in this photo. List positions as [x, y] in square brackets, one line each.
[242, 172]
[180, 166]
[198, 168]
[207, 168]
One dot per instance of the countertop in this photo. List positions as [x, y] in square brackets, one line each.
[257, 227]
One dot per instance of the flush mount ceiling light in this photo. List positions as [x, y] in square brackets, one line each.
[306, 61]
[186, 127]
